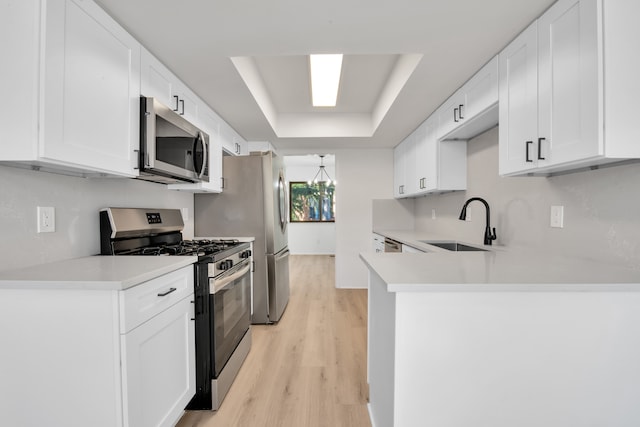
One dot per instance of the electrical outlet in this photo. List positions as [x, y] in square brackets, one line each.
[46, 219]
[433, 214]
[557, 217]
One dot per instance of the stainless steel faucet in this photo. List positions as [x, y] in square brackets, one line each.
[488, 235]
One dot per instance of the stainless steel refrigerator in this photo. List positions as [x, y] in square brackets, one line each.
[253, 203]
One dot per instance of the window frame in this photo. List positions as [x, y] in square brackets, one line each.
[310, 221]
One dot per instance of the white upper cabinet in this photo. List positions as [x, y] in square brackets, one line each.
[400, 154]
[472, 109]
[566, 102]
[81, 89]
[232, 143]
[423, 164]
[243, 145]
[425, 157]
[156, 80]
[519, 103]
[451, 113]
[159, 82]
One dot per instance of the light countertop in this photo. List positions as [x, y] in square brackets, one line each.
[498, 269]
[93, 272]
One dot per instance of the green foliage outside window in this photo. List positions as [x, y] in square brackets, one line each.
[313, 202]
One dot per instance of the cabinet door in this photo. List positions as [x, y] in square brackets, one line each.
[568, 119]
[187, 103]
[19, 84]
[481, 91]
[449, 116]
[243, 146]
[91, 89]
[411, 250]
[211, 124]
[156, 80]
[518, 94]
[426, 156]
[226, 139]
[159, 367]
[378, 243]
[399, 170]
[410, 174]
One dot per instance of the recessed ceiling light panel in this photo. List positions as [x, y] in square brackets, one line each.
[325, 79]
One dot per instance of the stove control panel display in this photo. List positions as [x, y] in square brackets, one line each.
[154, 218]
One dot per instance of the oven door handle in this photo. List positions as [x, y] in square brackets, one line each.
[220, 284]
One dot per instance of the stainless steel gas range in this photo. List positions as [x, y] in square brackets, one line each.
[222, 290]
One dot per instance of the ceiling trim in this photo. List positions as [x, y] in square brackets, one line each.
[324, 124]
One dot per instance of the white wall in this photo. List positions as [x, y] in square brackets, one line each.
[310, 238]
[362, 175]
[601, 208]
[77, 202]
[307, 238]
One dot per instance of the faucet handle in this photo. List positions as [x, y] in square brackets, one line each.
[493, 235]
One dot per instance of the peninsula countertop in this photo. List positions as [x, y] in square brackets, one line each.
[93, 272]
[496, 269]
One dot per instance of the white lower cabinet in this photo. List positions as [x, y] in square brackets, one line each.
[157, 366]
[157, 347]
[100, 358]
[377, 243]
[411, 249]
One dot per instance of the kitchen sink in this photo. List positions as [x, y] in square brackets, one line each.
[452, 246]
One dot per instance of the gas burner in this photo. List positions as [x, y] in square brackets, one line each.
[152, 250]
[185, 247]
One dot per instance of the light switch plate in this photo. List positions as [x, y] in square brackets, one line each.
[46, 219]
[557, 217]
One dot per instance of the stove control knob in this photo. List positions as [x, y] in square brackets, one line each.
[246, 254]
[226, 264]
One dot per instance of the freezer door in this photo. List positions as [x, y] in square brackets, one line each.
[278, 283]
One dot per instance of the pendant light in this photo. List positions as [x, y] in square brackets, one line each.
[321, 175]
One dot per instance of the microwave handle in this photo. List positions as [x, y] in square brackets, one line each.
[205, 155]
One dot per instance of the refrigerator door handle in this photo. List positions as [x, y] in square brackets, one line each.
[282, 201]
[282, 254]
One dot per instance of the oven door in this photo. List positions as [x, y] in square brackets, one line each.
[230, 308]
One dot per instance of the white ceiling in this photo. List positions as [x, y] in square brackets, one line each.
[451, 39]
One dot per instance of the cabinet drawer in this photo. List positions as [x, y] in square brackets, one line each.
[146, 300]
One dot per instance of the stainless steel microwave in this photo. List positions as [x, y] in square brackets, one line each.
[172, 150]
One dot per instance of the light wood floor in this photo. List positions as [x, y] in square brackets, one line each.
[309, 369]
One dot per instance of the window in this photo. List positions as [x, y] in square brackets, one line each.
[312, 202]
